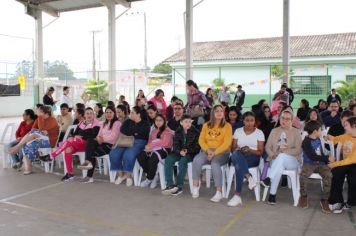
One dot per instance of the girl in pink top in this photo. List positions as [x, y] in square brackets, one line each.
[159, 101]
[158, 147]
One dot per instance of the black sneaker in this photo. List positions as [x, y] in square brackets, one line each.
[179, 191]
[347, 206]
[272, 199]
[169, 189]
[266, 182]
[45, 158]
[68, 177]
[284, 183]
[337, 208]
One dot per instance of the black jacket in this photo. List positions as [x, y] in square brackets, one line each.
[187, 141]
[47, 100]
[140, 130]
[87, 133]
[330, 98]
[302, 113]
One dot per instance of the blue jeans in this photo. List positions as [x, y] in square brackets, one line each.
[123, 159]
[17, 157]
[242, 163]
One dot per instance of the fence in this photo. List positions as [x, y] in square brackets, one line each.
[312, 81]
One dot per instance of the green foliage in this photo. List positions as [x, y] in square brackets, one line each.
[218, 82]
[97, 91]
[24, 68]
[347, 91]
[58, 69]
[162, 68]
[277, 70]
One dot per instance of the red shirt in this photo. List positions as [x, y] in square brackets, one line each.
[23, 129]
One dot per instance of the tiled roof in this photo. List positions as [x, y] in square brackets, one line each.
[269, 48]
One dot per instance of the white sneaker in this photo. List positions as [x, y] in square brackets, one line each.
[217, 197]
[129, 182]
[145, 183]
[120, 179]
[195, 193]
[235, 201]
[154, 181]
[251, 183]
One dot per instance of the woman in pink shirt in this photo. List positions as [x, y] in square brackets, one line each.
[101, 145]
[159, 101]
[158, 147]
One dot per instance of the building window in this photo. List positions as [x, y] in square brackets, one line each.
[311, 85]
[350, 78]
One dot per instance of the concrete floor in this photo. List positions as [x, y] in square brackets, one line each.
[40, 204]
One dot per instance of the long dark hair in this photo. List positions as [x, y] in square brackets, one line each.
[161, 129]
[31, 113]
[307, 118]
[211, 122]
[123, 108]
[192, 83]
[100, 113]
[113, 119]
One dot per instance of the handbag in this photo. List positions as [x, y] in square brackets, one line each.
[196, 111]
[125, 141]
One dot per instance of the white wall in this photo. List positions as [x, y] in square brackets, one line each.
[14, 106]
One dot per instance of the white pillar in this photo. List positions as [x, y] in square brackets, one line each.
[112, 49]
[189, 40]
[286, 46]
[39, 72]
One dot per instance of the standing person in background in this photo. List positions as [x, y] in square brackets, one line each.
[169, 110]
[195, 97]
[224, 95]
[291, 94]
[159, 102]
[64, 120]
[282, 95]
[303, 110]
[29, 118]
[66, 99]
[122, 99]
[142, 97]
[48, 99]
[210, 96]
[333, 96]
[239, 98]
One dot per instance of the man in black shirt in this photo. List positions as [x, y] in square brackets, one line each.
[333, 96]
[178, 111]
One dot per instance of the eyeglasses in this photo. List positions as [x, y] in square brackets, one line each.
[285, 118]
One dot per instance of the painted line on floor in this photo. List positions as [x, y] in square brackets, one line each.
[30, 192]
[89, 221]
[236, 218]
[352, 219]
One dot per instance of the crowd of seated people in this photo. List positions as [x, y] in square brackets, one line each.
[201, 131]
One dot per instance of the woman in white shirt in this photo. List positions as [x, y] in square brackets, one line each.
[247, 147]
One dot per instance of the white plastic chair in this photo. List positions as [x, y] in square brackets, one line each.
[254, 171]
[207, 168]
[135, 173]
[160, 173]
[9, 132]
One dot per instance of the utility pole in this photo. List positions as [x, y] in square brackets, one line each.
[145, 43]
[94, 62]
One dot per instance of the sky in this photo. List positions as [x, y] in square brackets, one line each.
[69, 38]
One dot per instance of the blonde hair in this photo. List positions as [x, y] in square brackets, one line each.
[211, 122]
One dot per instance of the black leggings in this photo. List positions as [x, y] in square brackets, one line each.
[337, 184]
[94, 149]
[149, 162]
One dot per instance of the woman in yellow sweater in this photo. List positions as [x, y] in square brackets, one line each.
[343, 168]
[215, 141]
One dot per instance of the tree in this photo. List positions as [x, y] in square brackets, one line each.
[24, 68]
[97, 91]
[347, 91]
[58, 69]
[162, 69]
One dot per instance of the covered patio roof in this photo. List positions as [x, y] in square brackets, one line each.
[55, 7]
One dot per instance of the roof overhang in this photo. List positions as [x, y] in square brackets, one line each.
[55, 7]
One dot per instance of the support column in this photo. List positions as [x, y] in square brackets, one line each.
[286, 39]
[189, 40]
[39, 72]
[112, 49]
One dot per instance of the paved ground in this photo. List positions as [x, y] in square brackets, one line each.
[40, 204]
